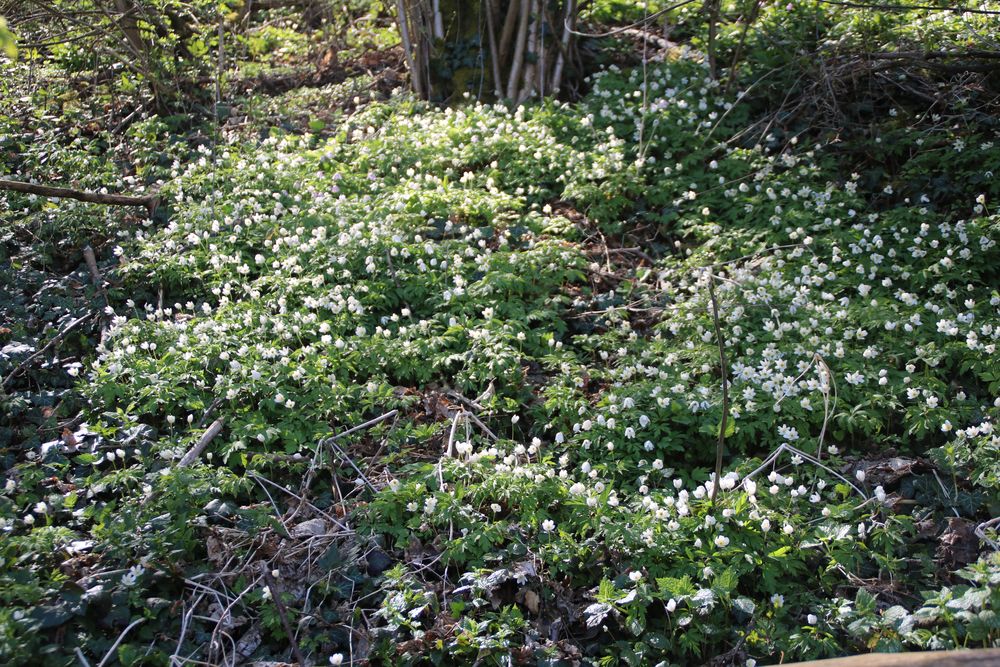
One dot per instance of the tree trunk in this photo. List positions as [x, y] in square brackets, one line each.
[526, 48]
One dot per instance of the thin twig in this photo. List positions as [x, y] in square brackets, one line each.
[907, 8]
[111, 651]
[478, 422]
[321, 446]
[283, 614]
[361, 427]
[981, 532]
[945, 492]
[725, 388]
[58, 337]
[785, 447]
[302, 501]
[336, 448]
[449, 450]
[617, 31]
[95, 273]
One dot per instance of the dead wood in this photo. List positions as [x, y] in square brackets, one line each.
[148, 202]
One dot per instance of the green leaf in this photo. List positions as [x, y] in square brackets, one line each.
[8, 42]
[730, 427]
[780, 552]
[330, 559]
[865, 601]
[726, 582]
[606, 591]
[636, 623]
[676, 587]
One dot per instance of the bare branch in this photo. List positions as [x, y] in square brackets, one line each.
[149, 202]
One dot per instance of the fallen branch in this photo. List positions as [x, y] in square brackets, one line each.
[934, 55]
[149, 202]
[206, 438]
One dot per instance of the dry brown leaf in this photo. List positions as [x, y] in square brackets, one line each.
[216, 548]
[309, 528]
[532, 601]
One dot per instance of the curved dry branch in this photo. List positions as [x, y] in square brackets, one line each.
[148, 202]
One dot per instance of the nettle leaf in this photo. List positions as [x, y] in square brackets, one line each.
[780, 552]
[704, 600]
[726, 582]
[606, 590]
[865, 602]
[676, 588]
[970, 599]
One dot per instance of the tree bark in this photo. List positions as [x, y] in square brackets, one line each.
[519, 46]
[494, 52]
[524, 60]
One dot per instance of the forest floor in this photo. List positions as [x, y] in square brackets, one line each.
[389, 382]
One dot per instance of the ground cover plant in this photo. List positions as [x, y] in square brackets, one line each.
[697, 367]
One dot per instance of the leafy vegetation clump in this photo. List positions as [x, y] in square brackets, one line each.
[409, 384]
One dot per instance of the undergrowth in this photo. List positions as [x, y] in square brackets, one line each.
[534, 292]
